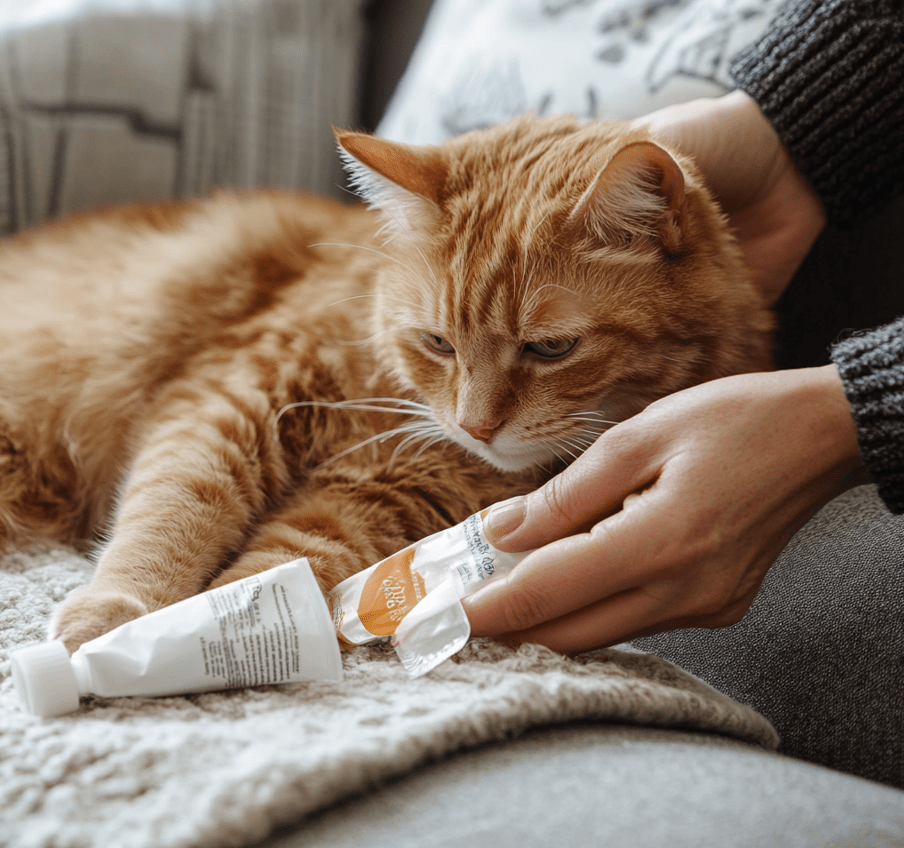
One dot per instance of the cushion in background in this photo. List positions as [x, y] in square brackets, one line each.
[482, 63]
[106, 101]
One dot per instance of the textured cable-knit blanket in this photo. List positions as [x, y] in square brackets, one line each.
[228, 768]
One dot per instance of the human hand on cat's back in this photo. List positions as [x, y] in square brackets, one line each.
[774, 213]
[673, 517]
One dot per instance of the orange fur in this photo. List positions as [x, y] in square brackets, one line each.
[148, 352]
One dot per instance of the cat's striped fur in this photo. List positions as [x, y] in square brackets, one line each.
[540, 280]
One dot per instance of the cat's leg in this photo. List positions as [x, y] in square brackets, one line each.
[348, 518]
[41, 493]
[13, 484]
[341, 527]
[206, 466]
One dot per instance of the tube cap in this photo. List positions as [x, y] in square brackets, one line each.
[44, 678]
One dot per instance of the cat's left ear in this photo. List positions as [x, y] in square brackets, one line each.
[407, 182]
[641, 191]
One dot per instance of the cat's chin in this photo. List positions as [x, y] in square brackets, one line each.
[507, 460]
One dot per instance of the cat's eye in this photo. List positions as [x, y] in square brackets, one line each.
[437, 343]
[551, 348]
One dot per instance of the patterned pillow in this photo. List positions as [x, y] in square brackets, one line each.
[480, 62]
[105, 101]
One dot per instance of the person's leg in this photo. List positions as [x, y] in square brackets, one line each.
[598, 785]
[821, 651]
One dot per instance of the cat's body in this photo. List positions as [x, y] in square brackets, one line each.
[147, 353]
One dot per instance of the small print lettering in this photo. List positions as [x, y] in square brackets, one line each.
[482, 552]
[256, 645]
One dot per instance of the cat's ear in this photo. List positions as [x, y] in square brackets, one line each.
[408, 183]
[640, 191]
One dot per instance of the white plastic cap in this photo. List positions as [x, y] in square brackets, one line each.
[44, 678]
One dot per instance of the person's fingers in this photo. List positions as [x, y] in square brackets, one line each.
[664, 570]
[628, 615]
[590, 489]
[566, 575]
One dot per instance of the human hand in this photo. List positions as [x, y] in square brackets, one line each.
[673, 517]
[772, 210]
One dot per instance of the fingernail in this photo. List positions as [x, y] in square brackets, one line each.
[503, 518]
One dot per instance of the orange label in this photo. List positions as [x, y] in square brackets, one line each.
[390, 593]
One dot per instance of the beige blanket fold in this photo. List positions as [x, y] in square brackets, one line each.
[228, 768]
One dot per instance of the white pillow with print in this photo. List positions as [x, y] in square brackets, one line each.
[479, 63]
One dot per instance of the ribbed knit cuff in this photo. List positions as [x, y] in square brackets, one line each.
[829, 76]
[871, 366]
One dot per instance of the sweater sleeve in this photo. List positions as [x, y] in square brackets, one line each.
[871, 366]
[829, 76]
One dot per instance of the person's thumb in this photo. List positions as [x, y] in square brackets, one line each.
[589, 490]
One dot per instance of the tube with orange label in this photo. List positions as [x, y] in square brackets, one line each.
[414, 596]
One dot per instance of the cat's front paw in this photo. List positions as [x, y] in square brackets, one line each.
[87, 614]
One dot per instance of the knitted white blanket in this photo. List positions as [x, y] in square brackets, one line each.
[228, 768]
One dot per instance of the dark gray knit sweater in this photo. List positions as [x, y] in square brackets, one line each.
[829, 76]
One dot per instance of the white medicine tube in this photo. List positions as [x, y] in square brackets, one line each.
[272, 627]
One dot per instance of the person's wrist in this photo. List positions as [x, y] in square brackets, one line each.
[777, 216]
[835, 432]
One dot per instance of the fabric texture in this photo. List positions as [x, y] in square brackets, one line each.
[480, 63]
[828, 76]
[871, 366]
[626, 787]
[113, 101]
[227, 768]
[821, 649]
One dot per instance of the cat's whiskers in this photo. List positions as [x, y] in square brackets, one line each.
[569, 449]
[401, 226]
[545, 464]
[523, 291]
[412, 431]
[355, 297]
[431, 432]
[410, 407]
[574, 442]
[591, 415]
[382, 253]
[580, 440]
[531, 238]
[369, 340]
[578, 417]
[531, 302]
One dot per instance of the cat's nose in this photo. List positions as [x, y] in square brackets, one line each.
[482, 432]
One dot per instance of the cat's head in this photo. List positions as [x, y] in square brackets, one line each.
[549, 276]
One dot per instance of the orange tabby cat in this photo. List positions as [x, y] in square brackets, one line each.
[540, 280]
